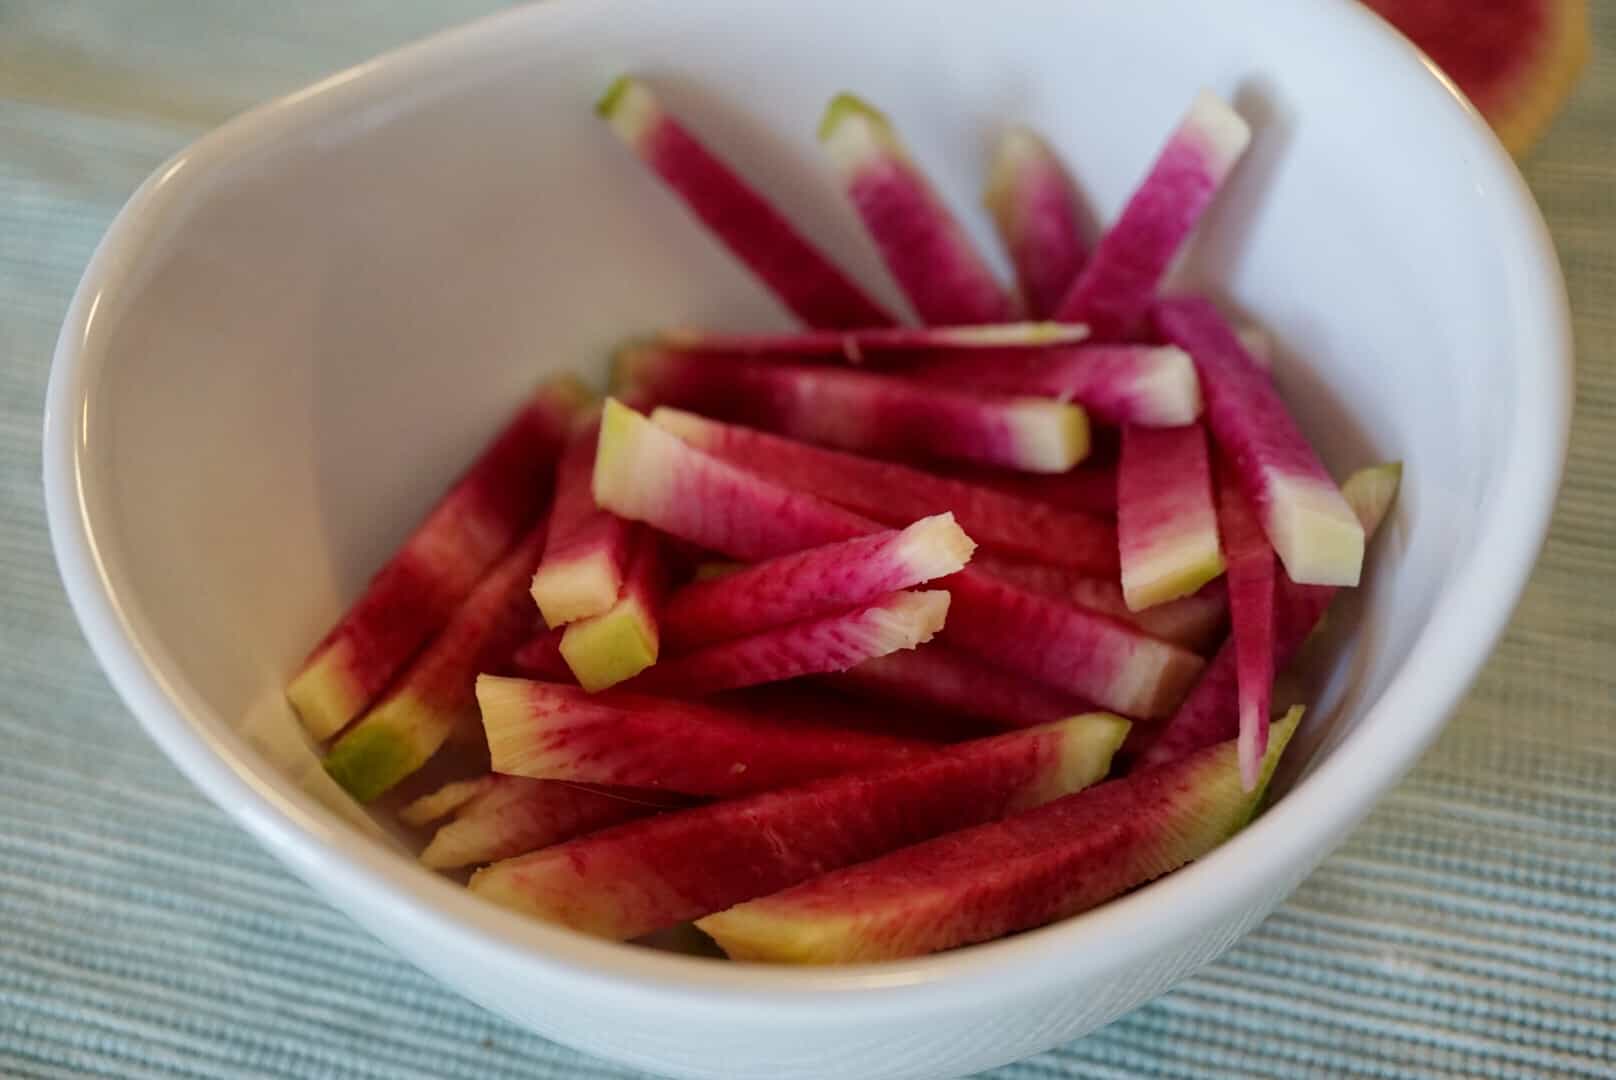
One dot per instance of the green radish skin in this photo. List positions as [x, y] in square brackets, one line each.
[434, 696]
[1167, 525]
[879, 344]
[1311, 527]
[408, 601]
[626, 638]
[882, 416]
[800, 275]
[1023, 871]
[647, 875]
[812, 583]
[586, 557]
[923, 244]
[1035, 208]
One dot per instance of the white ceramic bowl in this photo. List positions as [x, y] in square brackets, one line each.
[301, 328]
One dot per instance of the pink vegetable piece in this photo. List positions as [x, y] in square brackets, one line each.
[817, 646]
[1087, 489]
[1307, 521]
[1148, 385]
[539, 657]
[550, 732]
[878, 344]
[923, 244]
[1251, 605]
[1034, 205]
[587, 554]
[1117, 286]
[1167, 527]
[936, 676]
[897, 494]
[410, 598]
[883, 416]
[625, 639]
[801, 276]
[814, 582]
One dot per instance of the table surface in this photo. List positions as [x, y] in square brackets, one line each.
[1467, 930]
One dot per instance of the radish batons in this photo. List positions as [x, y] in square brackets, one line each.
[1167, 527]
[1034, 206]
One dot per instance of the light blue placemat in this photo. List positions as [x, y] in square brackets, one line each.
[1468, 930]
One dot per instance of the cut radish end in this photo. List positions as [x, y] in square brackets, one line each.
[891, 417]
[647, 474]
[1078, 652]
[1149, 385]
[1251, 606]
[878, 343]
[1034, 205]
[1117, 286]
[799, 274]
[439, 804]
[587, 554]
[829, 643]
[1211, 712]
[1167, 527]
[816, 582]
[1309, 524]
[550, 732]
[924, 246]
[513, 815]
[938, 677]
[410, 598]
[897, 495]
[1026, 870]
[647, 875]
[434, 696]
[1194, 622]
[623, 641]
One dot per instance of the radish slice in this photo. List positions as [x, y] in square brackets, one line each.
[859, 346]
[1167, 527]
[1309, 524]
[871, 414]
[1251, 605]
[625, 639]
[923, 244]
[586, 557]
[801, 276]
[1034, 205]
[1116, 288]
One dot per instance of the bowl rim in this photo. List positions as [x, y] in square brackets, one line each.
[1470, 615]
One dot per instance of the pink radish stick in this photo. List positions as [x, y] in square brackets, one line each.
[1251, 606]
[587, 555]
[1117, 286]
[625, 639]
[411, 597]
[1034, 204]
[814, 582]
[798, 273]
[936, 676]
[1309, 524]
[539, 657]
[883, 416]
[1087, 489]
[877, 344]
[923, 244]
[1167, 526]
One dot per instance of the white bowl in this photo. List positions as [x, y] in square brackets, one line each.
[302, 327]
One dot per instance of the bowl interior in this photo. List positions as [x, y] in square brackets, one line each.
[322, 311]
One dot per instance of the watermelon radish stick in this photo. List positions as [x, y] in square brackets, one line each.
[1251, 607]
[1309, 524]
[898, 495]
[550, 732]
[1149, 385]
[877, 343]
[799, 274]
[439, 804]
[1079, 652]
[646, 473]
[883, 416]
[1194, 621]
[825, 702]
[1034, 205]
[624, 640]
[410, 598]
[817, 581]
[1117, 286]
[539, 657]
[818, 646]
[587, 554]
[646, 875]
[513, 815]
[923, 244]
[1211, 712]
[939, 677]
[1167, 527]
[1087, 489]
[434, 696]
[1023, 871]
